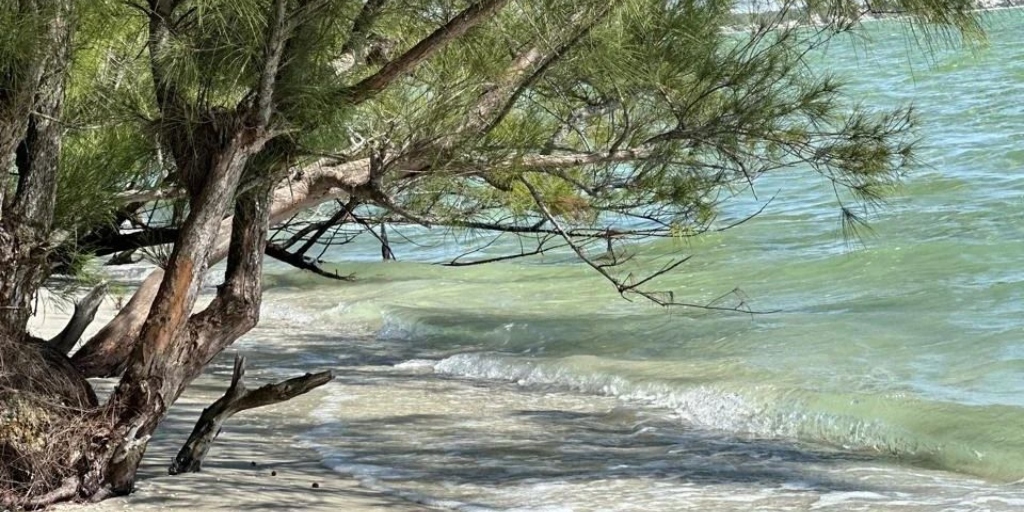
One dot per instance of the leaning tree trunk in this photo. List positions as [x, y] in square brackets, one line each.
[99, 450]
[174, 345]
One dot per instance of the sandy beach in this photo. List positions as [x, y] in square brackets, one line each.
[252, 466]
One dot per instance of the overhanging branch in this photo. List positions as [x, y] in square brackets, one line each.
[405, 63]
[302, 262]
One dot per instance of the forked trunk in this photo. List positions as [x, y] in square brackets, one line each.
[107, 352]
[174, 345]
[162, 365]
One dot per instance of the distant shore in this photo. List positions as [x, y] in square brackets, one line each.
[793, 19]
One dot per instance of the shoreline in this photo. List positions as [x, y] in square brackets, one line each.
[229, 480]
[445, 441]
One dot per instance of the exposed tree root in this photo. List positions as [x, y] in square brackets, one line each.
[47, 424]
[67, 491]
[41, 449]
[237, 399]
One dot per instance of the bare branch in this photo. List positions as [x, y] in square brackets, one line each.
[541, 249]
[539, 201]
[623, 288]
[322, 227]
[299, 261]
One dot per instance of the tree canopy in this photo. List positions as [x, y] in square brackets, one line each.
[590, 123]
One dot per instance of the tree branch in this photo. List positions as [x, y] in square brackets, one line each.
[352, 52]
[102, 244]
[496, 103]
[620, 286]
[302, 262]
[276, 39]
[160, 12]
[236, 307]
[321, 227]
[472, 16]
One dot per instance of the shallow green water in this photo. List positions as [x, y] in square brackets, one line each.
[907, 347]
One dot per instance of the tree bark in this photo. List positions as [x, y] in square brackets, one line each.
[104, 355]
[237, 399]
[108, 356]
[171, 347]
[30, 130]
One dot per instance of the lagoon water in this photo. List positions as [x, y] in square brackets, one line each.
[892, 377]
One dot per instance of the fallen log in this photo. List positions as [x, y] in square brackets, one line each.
[236, 399]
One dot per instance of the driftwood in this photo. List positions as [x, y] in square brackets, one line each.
[237, 399]
[85, 312]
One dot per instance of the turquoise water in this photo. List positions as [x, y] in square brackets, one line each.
[905, 348]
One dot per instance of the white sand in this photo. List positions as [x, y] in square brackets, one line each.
[229, 481]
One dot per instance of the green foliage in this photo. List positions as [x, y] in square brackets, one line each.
[636, 116]
[715, 109]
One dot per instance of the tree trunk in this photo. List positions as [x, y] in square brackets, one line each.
[30, 112]
[99, 451]
[174, 347]
[105, 354]
[237, 399]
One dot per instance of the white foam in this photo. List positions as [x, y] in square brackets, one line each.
[701, 405]
[835, 498]
[417, 365]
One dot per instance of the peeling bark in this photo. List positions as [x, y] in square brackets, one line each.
[104, 355]
[170, 349]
